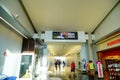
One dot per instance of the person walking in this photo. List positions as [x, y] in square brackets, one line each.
[79, 64]
[91, 68]
[55, 64]
[59, 64]
[63, 64]
[72, 66]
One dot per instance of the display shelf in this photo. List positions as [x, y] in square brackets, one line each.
[113, 67]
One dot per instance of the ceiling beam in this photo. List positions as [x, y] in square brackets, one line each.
[20, 1]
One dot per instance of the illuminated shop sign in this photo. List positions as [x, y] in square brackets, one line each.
[111, 43]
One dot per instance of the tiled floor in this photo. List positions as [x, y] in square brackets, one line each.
[63, 74]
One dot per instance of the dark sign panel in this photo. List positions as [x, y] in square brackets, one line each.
[65, 35]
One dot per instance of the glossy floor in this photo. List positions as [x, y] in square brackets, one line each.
[63, 74]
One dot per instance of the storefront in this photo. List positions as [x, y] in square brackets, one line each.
[109, 53]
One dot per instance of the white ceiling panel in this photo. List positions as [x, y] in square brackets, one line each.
[67, 15]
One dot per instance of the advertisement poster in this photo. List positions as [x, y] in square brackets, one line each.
[100, 69]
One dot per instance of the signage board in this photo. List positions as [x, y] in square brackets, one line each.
[100, 69]
[65, 35]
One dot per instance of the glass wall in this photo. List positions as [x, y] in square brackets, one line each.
[26, 62]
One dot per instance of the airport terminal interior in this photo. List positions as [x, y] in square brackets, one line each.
[59, 39]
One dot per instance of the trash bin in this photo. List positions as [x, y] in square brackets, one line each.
[11, 78]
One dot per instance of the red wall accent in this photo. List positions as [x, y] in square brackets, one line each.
[111, 52]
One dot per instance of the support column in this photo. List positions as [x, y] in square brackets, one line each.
[90, 52]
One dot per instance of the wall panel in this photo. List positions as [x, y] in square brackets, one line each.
[8, 40]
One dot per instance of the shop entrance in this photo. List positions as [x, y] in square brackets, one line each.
[111, 62]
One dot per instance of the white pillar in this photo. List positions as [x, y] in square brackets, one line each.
[84, 56]
[90, 52]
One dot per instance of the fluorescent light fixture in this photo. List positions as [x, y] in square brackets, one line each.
[12, 27]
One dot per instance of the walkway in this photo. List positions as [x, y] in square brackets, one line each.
[62, 74]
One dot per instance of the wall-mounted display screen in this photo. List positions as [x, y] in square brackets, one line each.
[65, 35]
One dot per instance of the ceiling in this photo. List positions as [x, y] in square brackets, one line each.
[66, 15]
[63, 49]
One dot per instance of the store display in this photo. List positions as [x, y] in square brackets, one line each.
[113, 67]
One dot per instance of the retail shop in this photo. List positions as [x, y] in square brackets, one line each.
[109, 53]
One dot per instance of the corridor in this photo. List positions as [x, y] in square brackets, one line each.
[36, 33]
[63, 74]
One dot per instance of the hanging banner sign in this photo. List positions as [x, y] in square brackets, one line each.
[100, 69]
